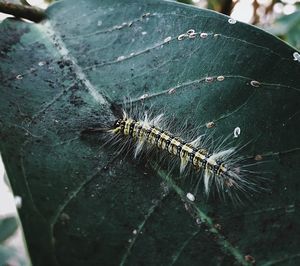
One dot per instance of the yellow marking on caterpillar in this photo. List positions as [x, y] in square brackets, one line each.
[173, 146]
[221, 169]
[198, 159]
[153, 135]
[164, 138]
[127, 126]
[135, 130]
[187, 148]
[166, 141]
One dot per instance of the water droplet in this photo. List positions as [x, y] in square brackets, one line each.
[220, 78]
[167, 39]
[210, 124]
[19, 77]
[18, 202]
[236, 132]
[134, 231]
[132, 54]
[192, 35]
[41, 63]
[290, 208]
[296, 56]
[216, 35]
[232, 21]
[250, 259]
[146, 14]
[191, 31]
[218, 226]
[198, 221]
[118, 27]
[186, 206]
[258, 157]
[190, 196]
[203, 35]
[171, 91]
[209, 79]
[129, 240]
[144, 96]
[181, 37]
[255, 83]
[64, 217]
[122, 57]
[144, 32]
[99, 23]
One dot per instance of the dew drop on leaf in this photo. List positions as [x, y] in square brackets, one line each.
[296, 56]
[255, 83]
[236, 132]
[191, 31]
[168, 39]
[231, 21]
[171, 91]
[203, 35]
[258, 157]
[198, 221]
[190, 196]
[209, 79]
[144, 96]
[18, 202]
[210, 124]
[122, 57]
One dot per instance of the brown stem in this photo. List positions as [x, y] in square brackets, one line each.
[22, 11]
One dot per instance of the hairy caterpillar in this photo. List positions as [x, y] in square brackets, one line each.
[219, 168]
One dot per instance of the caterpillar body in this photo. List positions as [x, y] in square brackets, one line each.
[219, 167]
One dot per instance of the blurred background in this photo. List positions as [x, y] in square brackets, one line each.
[279, 17]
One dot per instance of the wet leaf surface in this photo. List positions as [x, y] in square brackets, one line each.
[88, 204]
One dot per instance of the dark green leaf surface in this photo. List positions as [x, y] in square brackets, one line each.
[86, 205]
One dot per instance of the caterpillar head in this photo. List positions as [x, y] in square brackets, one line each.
[118, 126]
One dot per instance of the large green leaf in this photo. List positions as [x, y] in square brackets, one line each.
[85, 204]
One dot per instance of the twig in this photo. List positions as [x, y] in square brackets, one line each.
[32, 13]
